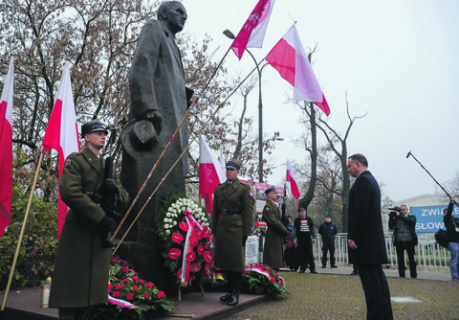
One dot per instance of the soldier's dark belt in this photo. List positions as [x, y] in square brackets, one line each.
[225, 212]
[97, 198]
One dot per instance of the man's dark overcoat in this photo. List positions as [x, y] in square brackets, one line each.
[230, 229]
[273, 252]
[365, 222]
[80, 277]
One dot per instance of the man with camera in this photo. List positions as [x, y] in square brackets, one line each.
[404, 238]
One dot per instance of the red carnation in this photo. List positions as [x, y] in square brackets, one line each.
[120, 286]
[124, 269]
[130, 296]
[146, 295]
[207, 256]
[125, 280]
[110, 287]
[116, 294]
[174, 253]
[134, 287]
[150, 284]
[183, 226]
[161, 294]
[135, 279]
[177, 238]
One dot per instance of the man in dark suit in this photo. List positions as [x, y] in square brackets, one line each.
[366, 238]
[232, 221]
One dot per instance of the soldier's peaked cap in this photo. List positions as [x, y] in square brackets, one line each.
[93, 126]
[233, 164]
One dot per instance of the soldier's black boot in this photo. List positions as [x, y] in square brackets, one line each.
[226, 297]
[234, 300]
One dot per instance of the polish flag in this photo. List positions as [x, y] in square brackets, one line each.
[211, 173]
[289, 58]
[6, 149]
[293, 184]
[253, 31]
[62, 132]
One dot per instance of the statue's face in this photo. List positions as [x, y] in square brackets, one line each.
[176, 17]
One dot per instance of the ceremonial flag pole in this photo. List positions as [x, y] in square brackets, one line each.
[181, 155]
[18, 246]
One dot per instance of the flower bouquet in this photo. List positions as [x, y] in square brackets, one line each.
[262, 279]
[130, 297]
[186, 241]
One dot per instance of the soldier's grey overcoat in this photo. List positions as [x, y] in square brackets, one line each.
[80, 277]
[273, 252]
[229, 229]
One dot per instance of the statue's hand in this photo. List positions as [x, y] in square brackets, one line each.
[156, 119]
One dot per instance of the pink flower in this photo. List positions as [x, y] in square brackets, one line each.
[134, 287]
[174, 253]
[110, 287]
[135, 279]
[130, 296]
[150, 284]
[191, 256]
[126, 280]
[200, 250]
[120, 286]
[161, 294]
[179, 273]
[124, 263]
[195, 267]
[207, 256]
[208, 269]
[116, 294]
[141, 281]
[114, 260]
[183, 226]
[124, 269]
[146, 295]
[193, 240]
[177, 238]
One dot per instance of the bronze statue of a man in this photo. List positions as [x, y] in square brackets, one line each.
[158, 103]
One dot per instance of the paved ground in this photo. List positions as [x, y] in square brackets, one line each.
[334, 294]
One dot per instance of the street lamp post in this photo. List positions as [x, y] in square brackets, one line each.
[230, 35]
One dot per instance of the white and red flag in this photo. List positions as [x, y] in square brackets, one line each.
[291, 61]
[253, 31]
[62, 132]
[6, 149]
[211, 173]
[292, 180]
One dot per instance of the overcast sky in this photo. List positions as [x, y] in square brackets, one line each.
[396, 59]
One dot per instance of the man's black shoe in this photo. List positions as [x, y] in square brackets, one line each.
[334, 267]
[302, 271]
[313, 271]
[234, 299]
[226, 297]
[354, 273]
[324, 266]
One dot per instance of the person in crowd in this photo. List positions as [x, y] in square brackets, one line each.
[452, 231]
[304, 235]
[274, 241]
[232, 221]
[404, 238]
[80, 278]
[290, 248]
[328, 231]
[366, 238]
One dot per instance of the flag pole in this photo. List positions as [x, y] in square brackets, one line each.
[16, 254]
[184, 151]
[195, 101]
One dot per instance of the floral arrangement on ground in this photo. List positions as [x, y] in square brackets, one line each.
[186, 242]
[262, 279]
[130, 297]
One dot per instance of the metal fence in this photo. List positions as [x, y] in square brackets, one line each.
[429, 255]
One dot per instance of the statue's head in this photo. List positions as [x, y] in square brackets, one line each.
[173, 14]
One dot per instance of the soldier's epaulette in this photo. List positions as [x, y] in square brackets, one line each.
[244, 184]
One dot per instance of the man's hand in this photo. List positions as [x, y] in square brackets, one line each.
[110, 185]
[108, 223]
[352, 244]
[313, 240]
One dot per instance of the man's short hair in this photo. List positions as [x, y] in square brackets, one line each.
[164, 7]
[359, 158]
